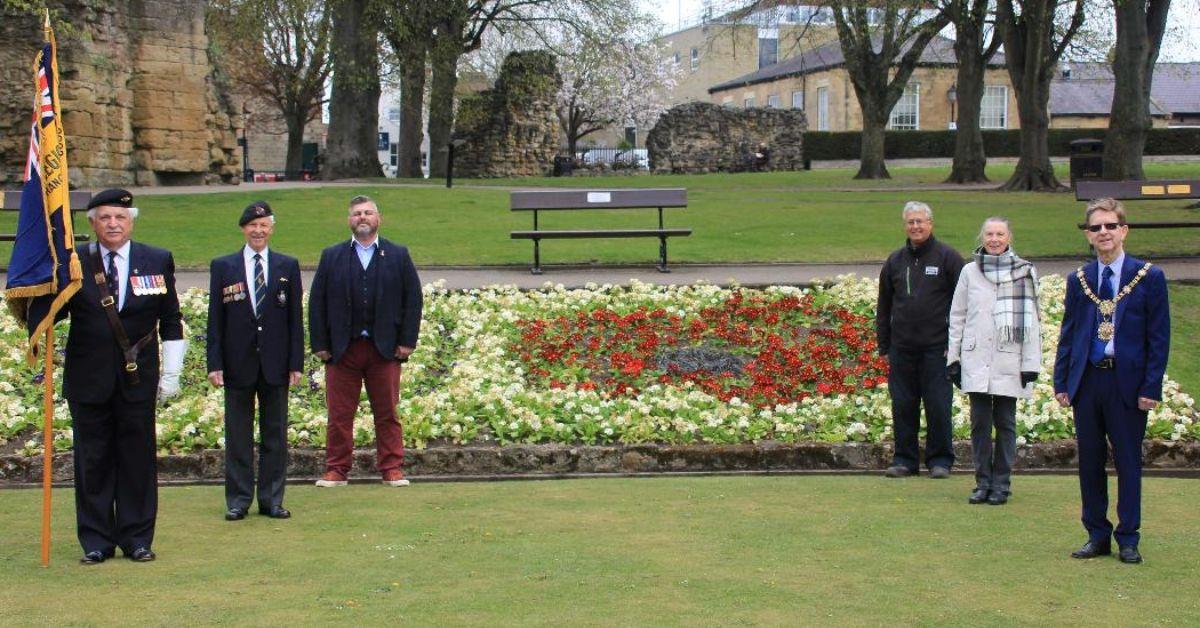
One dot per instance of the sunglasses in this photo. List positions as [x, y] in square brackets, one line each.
[1111, 226]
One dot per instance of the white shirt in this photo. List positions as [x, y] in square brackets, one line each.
[122, 262]
[1114, 284]
[248, 257]
[365, 252]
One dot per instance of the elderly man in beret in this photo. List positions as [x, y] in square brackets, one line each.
[255, 351]
[126, 306]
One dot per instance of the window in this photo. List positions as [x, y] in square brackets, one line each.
[822, 108]
[993, 110]
[906, 113]
[768, 47]
[798, 100]
[749, 102]
[393, 114]
[675, 58]
[695, 59]
[773, 101]
[394, 154]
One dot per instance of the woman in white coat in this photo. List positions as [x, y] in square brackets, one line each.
[995, 352]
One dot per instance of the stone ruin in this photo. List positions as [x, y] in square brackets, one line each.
[511, 130]
[701, 137]
[141, 101]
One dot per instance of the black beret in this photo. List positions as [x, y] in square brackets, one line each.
[255, 210]
[113, 197]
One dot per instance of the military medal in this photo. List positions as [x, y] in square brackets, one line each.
[1107, 307]
[148, 284]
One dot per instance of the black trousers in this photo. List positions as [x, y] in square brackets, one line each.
[116, 474]
[239, 445]
[916, 378]
[993, 463]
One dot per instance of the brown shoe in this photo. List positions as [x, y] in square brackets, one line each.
[332, 479]
[394, 477]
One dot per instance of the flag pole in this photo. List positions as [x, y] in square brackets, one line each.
[47, 411]
[47, 440]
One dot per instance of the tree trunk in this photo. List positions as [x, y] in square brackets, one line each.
[412, 96]
[295, 144]
[447, 49]
[1034, 171]
[354, 101]
[1140, 27]
[871, 153]
[970, 161]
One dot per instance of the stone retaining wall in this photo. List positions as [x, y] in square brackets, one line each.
[565, 460]
[700, 137]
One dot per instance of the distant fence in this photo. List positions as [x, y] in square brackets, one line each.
[615, 157]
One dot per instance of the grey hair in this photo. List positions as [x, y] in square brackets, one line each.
[1000, 219]
[917, 206]
[133, 212]
[363, 199]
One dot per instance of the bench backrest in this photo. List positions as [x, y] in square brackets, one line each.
[10, 201]
[597, 199]
[1136, 190]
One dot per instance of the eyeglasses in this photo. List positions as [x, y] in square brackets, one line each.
[1111, 226]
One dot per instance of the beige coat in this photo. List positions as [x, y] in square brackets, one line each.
[988, 365]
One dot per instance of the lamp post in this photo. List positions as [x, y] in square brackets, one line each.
[952, 96]
[450, 160]
[247, 174]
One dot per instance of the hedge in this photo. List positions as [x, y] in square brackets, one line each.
[822, 145]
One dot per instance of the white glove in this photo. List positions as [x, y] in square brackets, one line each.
[172, 366]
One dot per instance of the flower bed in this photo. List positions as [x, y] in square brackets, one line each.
[606, 364]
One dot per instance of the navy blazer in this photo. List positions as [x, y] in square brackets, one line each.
[95, 367]
[398, 300]
[1143, 337]
[235, 335]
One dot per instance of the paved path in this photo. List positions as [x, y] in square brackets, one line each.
[461, 278]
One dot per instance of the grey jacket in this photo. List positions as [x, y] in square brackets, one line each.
[988, 365]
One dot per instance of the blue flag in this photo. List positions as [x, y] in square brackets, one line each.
[44, 271]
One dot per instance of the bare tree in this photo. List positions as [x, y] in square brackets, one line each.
[354, 99]
[973, 49]
[1140, 28]
[1034, 41]
[278, 51]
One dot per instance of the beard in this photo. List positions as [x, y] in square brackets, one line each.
[363, 229]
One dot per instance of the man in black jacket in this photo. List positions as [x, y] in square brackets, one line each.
[364, 316]
[255, 350]
[916, 287]
[126, 305]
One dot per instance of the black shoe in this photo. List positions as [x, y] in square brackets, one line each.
[978, 496]
[998, 498]
[276, 512]
[235, 514]
[1129, 554]
[939, 473]
[1092, 549]
[142, 555]
[93, 558]
[898, 471]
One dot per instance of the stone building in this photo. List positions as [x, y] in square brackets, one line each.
[699, 137]
[266, 138]
[141, 102]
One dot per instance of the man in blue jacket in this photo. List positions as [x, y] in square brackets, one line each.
[255, 351]
[1112, 354]
[364, 316]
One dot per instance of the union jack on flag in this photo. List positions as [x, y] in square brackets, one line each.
[44, 270]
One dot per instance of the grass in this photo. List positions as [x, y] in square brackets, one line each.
[801, 550]
[1184, 363]
[817, 216]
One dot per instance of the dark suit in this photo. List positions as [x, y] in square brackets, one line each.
[391, 283]
[255, 353]
[116, 483]
[1105, 401]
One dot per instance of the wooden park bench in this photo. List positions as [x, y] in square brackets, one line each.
[571, 200]
[1141, 191]
[10, 201]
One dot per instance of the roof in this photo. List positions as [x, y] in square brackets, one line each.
[939, 52]
[1088, 89]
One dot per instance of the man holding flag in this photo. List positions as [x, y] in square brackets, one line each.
[118, 315]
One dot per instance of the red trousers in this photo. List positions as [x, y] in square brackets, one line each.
[361, 363]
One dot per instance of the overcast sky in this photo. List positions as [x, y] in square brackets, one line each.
[1180, 45]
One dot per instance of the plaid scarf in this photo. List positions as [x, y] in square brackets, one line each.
[1016, 310]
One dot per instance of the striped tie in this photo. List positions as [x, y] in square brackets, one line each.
[260, 285]
[112, 277]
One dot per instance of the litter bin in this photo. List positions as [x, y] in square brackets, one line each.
[1087, 159]
[563, 165]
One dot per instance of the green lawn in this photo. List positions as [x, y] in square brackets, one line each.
[655, 552]
[1184, 365]
[788, 216]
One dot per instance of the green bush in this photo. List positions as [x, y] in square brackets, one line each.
[825, 145]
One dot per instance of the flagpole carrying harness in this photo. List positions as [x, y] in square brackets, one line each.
[109, 303]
